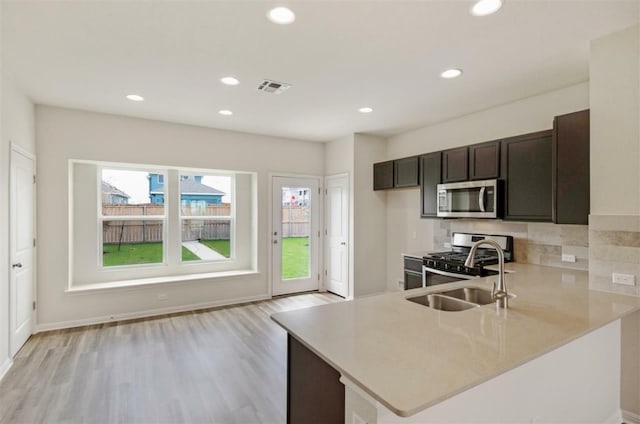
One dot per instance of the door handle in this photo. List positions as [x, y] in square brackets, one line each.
[16, 265]
[343, 243]
[275, 242]
[481, 199]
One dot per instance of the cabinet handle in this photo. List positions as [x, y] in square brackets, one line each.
[16, 265]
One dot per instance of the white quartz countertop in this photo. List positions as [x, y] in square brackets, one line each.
[409, 357]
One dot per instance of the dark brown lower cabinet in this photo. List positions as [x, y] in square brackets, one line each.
[526, 168]
[314, 391]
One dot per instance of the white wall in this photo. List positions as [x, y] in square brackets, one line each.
[370, 231]
[338, 159]
[64, 134]
[17, 126]
[521, 117]
[615, 123]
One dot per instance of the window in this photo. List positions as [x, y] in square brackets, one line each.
[131, 222]
[206, 220]
[132, 226]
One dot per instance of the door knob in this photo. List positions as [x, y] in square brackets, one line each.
[17, 265]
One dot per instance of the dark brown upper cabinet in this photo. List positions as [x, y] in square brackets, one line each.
[571, 168]
[526, 168]
[455, 165]
[430, 168]
[484, 161]
[383, 175]
[406, 172]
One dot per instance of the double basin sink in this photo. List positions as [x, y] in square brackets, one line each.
[454, 300]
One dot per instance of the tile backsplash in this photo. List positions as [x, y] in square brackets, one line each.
[615, 247]
[534, 243]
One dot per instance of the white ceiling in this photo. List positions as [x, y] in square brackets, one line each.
[338, 55]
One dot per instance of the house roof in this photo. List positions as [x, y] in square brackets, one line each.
[192, 187]
[109, 189]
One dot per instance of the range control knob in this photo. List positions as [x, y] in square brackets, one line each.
[447, 266]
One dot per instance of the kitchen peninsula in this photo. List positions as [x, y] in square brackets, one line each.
[554, 355]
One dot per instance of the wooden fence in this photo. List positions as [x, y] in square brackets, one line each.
[151, 231]
[151, 209]
[295, 223]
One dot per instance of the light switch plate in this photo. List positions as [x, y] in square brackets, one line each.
[568, 258]
[625, 279]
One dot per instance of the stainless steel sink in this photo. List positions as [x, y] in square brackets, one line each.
[470, 294]
[455, 300]
[442, 303]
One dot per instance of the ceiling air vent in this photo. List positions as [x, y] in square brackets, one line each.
[275, 87]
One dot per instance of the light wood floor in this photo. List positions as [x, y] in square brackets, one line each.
[224, 365]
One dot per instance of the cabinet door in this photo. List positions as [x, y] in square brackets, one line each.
[571, 168]
[455, 165]
[314, 391]
[526, 167]
[412, 280]
[405, 172]
[430, 166]
[383, 175]
[484, 161]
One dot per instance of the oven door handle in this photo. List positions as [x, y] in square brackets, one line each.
[446, 274]
[481, 199]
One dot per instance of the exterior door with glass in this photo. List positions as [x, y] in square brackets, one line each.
[295, 235]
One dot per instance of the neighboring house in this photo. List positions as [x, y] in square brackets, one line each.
[296, 196]
[191, 190]
[112, 195]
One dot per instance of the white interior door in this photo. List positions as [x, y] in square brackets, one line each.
[295, 235]
[337, 234]
[21, 239]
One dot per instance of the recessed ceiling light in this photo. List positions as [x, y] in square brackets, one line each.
[485, 7]
[225, 112]
[281, 15]
[135, 97]
[229, 81]
[365, 110]
[451, 73]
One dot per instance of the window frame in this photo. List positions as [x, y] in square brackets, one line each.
[231, 217]
[164, 218]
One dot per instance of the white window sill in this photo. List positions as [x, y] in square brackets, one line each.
[142, 282]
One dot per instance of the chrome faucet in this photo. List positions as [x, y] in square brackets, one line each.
[499, 294]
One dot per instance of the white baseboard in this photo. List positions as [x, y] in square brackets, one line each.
[144, 314]
[615, 418]
[630, 417]
[4, 368]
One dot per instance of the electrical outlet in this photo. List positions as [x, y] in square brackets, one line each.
[568, 258]
[625, 279]
[163, 296]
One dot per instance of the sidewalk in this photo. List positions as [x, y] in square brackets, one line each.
[203, 252]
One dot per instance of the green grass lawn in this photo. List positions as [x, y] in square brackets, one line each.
[223, 247]
[137, 253]
[295, 254]
[295, 257]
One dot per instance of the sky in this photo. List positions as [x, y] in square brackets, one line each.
[136, 184]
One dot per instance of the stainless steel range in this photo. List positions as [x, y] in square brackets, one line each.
[445, 267]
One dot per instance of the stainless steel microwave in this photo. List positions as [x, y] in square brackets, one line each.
[469, 199]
